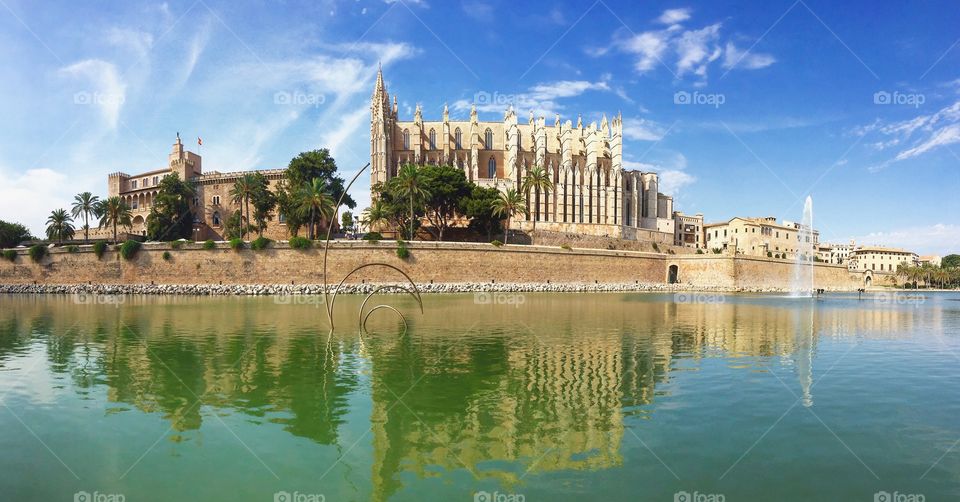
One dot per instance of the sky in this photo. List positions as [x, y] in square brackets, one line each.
[744, 108]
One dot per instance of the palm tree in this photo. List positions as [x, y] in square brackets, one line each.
[85, 204]
[241, 192]
[59, 226]
[509, 204]
[114, 211]
[316, 201]
[410, 184]
[377, 214]
[537, 179]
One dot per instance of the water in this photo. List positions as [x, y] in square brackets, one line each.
[802, 284]
[557, 397]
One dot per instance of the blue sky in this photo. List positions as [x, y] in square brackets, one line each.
[744, 107]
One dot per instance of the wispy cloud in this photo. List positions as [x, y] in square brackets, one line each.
[106, 89]
[939, 238]
[541, 98]
[916, 136]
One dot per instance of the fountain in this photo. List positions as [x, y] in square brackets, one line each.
[802, 284]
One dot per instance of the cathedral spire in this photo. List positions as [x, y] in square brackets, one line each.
[380, 89]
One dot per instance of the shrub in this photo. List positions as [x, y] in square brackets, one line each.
[260, 243]
[769, 254]
[699, 251]
[717, 250]
[209, 244]
[37, 252]
[10, 254]
[372, 236]
[237, 244]
[129, 249]
[497, 243]
[176, 244]
[402, 251]
[656, 247]
[300, 243]
[99, 248]
[73, 248]
[565, 246]
[167, 256]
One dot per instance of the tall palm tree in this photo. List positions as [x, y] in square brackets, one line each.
[377, 214]
[510, 203]
[60, 226]
[410, 182]
[316, 201]
[538, 180]
[85, 204]
[113, 212]
[243, 188]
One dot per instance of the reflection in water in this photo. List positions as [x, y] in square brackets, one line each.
[503, 394]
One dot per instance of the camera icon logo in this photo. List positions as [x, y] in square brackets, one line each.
[482, 298]
[681, 98]
[82, 496]
[282, 496]
[881, 98]
[482, 496]
[681, 497]
[282, 98]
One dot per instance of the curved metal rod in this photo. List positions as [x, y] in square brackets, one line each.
[378, 307]
[336, 291]
[326, 245]
[388, 286]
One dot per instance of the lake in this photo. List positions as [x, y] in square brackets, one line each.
[506, 397]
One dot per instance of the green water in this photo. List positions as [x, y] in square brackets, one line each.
[547, 397]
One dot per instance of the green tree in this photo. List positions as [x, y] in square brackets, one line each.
[307, 166]
[60, 225]
[170, 217]
[264, 202]
[243, 188]
[316, 202]
[346, 221]
[478, 207]
[12, 234]
[950, 261]
[114, 212]
[508, 204]
[288, 204]
[445, 188]
[537, 180]
[85, 204]
[409, 184]
[377, 215]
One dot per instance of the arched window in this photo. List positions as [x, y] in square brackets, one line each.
[458, 139]
[433, 139]
[491, 166]
[216, 219]
[488, 140]
[406, 139]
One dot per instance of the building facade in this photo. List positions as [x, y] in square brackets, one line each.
[835, 254]
[880, 259]
[593, 194]
[688, 230]
[211, 207]
[760, 237]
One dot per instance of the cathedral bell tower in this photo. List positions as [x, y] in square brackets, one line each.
[382, 118]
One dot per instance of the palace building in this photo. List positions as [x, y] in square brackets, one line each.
[211, 207]
[593, 193]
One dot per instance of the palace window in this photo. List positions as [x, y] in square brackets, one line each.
[406, 139]
[146, 183]
[133, 184]
[156, 180]
[458, 139]
[433, 139]
[216, 219]
[196, 201]
[491, 167]
[216, 200]
[136, 203]
[488, 140]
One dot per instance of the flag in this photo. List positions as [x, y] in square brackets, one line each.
[199, 141]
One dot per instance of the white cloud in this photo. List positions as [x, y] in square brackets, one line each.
[335, 139]
[478, 10]
[939, 238]
[642, 130]
[915, 136]
[139, 42]
[672, 181]
[689, 51]
[674, 16]
[108, 91]
[28, 197]
[541, 98]
[673, 176]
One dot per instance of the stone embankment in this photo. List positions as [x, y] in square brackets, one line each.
[316, 289]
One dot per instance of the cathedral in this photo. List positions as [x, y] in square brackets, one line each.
[593, 195]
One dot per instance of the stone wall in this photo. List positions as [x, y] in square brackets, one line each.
[429, 262]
